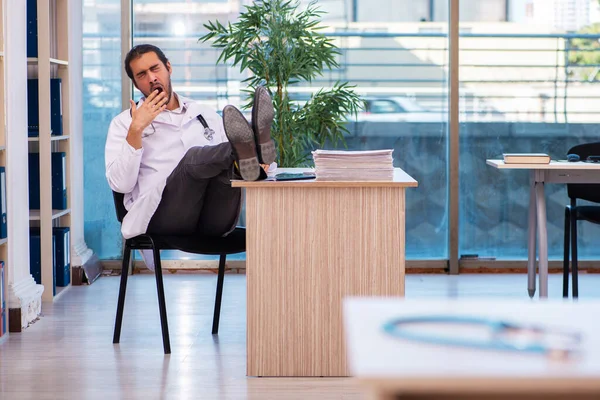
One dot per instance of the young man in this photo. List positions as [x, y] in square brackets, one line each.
[174, 158]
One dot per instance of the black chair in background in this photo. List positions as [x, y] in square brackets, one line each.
[574, 213]
[233, 243]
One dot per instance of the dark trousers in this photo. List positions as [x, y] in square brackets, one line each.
[198, 197]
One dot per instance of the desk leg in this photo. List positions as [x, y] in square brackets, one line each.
[531, 244]
[542, 237]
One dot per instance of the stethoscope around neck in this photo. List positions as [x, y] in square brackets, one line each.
[209, 133]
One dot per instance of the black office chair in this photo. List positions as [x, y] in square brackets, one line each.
[574, 213]
[233, 243]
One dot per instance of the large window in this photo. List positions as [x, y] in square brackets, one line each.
[528, 82]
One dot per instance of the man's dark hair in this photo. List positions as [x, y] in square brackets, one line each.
[139, 50]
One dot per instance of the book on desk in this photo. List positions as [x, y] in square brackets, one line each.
[526, 158]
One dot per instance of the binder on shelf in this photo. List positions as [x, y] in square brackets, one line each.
[34, 181]
[59, 181]
[33, 98]
[62, 244]
[33, 113]
[32, 31]
[3, 228]
[3, 310]
[35, 258]
[56, 121]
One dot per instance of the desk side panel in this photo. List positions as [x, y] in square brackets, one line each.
[306, 250]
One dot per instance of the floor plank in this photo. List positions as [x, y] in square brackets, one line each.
[68, 353]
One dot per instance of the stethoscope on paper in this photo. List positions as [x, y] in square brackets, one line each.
[502, 335]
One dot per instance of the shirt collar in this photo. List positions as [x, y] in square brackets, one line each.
[183, 105]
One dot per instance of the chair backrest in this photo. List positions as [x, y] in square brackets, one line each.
[119, 206]
[589, 192]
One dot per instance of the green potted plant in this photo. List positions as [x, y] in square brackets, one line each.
[281, 46]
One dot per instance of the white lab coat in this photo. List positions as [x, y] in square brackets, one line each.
[142, 174]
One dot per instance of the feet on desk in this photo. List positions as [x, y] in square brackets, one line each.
[262, 120]
[241, 136]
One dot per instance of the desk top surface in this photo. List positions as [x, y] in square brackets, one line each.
[383, 361]
[554, 164]
[401, 179]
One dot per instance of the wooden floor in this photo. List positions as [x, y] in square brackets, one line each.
[68, 353]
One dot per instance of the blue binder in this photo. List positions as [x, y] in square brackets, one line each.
[59, 181]
[56, 121]
[33, 99]
[34, 181]
[62, 244]
[32, 31]
[3, 230]
[35, 258]
[33, 113]
[3, 311]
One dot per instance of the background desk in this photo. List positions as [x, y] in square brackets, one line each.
[309, 244]
[555, 172]
[388, 367]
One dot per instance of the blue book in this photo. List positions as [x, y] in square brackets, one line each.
[62, 244]
[3, 227]
[32, 31]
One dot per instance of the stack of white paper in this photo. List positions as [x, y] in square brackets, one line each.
[371, 165]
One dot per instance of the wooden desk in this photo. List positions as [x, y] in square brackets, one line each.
[309, 244]
[390, 368]
[554, 172]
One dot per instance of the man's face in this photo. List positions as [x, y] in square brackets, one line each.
[149, 73]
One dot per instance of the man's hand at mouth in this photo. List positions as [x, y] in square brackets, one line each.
[143, 116]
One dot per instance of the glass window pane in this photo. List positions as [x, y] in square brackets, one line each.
[101, 102]
[525, 87]
[401, 70]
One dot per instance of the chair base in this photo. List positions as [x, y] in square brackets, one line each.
[161, 293]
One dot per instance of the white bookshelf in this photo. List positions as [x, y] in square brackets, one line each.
[52, 138]
[51, 62]
[35, 215]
